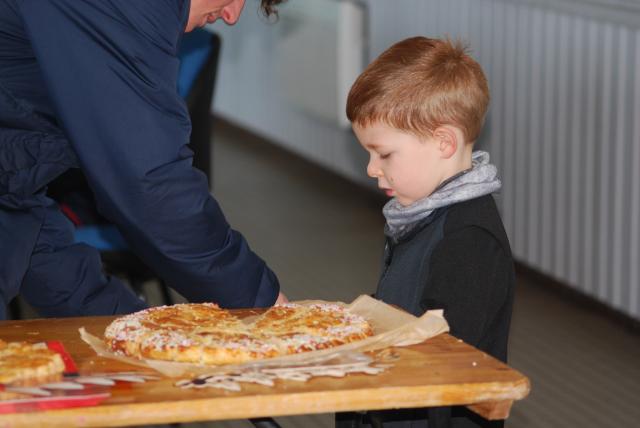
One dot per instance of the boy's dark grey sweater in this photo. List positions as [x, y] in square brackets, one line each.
[457, 259]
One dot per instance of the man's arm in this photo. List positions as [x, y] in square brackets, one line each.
[111, 71]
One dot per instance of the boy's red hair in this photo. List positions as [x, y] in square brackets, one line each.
[419, 84]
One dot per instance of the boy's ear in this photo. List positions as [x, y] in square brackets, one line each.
[447, 140]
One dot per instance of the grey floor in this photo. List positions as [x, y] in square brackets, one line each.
[322, 236]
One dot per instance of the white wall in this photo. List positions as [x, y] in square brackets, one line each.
[254, 91]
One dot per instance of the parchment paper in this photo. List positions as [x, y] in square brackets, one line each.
[391, 327]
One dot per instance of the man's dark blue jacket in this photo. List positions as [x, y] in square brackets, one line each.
[92, 84]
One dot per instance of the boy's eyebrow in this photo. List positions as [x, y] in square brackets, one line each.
[372, 146]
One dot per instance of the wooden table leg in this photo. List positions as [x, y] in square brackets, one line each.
[492, 410]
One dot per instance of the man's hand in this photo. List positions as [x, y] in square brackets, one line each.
[281, 299]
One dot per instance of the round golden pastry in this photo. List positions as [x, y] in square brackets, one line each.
[203, 333]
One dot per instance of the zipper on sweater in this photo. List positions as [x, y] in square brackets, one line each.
[388, 256]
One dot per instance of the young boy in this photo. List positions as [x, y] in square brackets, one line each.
[418, 110]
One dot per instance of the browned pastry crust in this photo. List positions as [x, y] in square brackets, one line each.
[205, 334]
[24, 364]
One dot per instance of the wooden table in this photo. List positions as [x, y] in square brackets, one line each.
[440, 371]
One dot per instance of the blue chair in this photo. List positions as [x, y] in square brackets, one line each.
[199, 53]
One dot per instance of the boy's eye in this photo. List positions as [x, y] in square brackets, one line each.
[384, 155]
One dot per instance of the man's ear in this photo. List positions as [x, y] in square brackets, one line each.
[447, 140]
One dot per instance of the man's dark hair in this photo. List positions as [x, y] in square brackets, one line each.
[268, 7]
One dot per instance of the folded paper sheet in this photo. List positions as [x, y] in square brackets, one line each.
[391, 326]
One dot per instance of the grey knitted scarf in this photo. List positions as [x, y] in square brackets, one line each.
[481, 179]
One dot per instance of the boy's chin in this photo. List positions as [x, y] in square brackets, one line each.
[404, 202]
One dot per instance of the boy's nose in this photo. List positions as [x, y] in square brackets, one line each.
[373, 170]
[231, 13]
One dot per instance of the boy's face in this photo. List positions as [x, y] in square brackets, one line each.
[407, 167]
